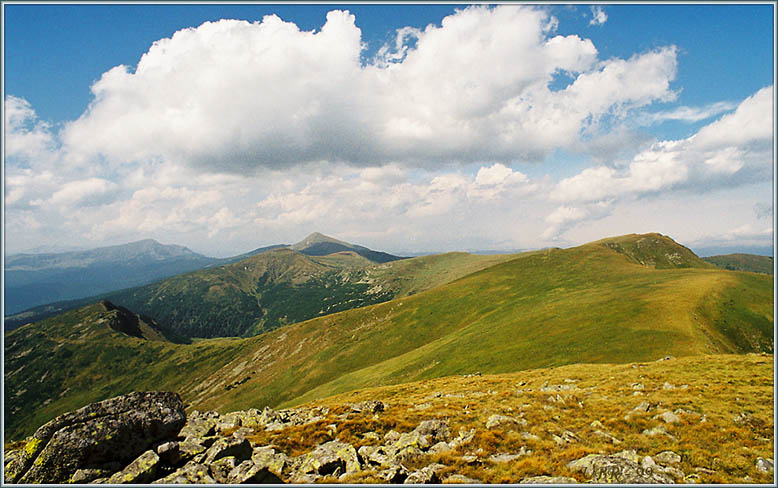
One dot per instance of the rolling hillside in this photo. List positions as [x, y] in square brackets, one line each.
[590, 304]
[743, 262]
[276, 287]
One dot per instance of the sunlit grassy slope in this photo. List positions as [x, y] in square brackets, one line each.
[593, 303]
[711, 391]
[590, 304]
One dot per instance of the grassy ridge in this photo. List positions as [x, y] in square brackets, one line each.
[590, 304]
[76, 358]
[586, 304]
[743, 262]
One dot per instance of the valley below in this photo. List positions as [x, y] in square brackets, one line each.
[626, 360]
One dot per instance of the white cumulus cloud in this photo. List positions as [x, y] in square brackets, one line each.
[234, 96]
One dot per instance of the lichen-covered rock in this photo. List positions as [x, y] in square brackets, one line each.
[424, 476]
[82, 476]
[249, 473]
[369, 406]
[330, 458]
[620, 468]
[141, 470]
[118, 429]
[548, 480]
[764, 465]
[238, 447]
[221, 468]
[504, 457]
[191, 472]
[435, 430]
[668, 417]
[504, 422]
[394, 474]
[461, 479]
[267, 457]
[198, 426]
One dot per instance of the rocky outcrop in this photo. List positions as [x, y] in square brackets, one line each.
[116, 430]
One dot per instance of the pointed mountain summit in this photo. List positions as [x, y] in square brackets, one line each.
[317, 244]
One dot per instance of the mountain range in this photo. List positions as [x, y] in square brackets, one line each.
[623, 299]
[41, 279]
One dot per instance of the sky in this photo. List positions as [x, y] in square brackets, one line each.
[404, 128]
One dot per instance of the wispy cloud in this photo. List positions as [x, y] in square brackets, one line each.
[686, 114]
[599, 16]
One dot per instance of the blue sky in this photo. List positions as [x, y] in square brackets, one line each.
[501, 128]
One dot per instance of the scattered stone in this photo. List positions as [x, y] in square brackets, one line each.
[667, 457]
[469, 459]
[114, 430]
[557, 388]
[637, 386]
[620, 468]
[373, 436]
[391, 437]
[192, 472]
[395, 474]
[642, 407]
[369, 406]
[507, 457]
[764, 465]
[668, 417]
[198, 426]
[566, 437]
[461, 479]
[249, 473]
[503, 421]
[548, 480]
[668, 386]
[240, 448]
[613, 440]
[331, 458]
[424, 476]
[83, 476]
[267, 457]
[702, 470]
[527, 436]
[655, 431]
[440, 448]
[222, 467]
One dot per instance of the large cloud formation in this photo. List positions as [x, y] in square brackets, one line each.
[233, 135]
[233, 95]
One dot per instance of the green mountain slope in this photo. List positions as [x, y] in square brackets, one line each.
[589, 304]
[36, 279]
[274, 288]
[743, 262]
[94, 353]
[586, 304]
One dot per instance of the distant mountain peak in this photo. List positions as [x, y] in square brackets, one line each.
[317, 238]
[318, 244]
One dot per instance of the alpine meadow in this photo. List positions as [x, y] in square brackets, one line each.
[388, 244]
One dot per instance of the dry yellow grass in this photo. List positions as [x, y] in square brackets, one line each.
[712, 390]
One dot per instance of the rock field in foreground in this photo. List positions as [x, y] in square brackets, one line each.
[582, 423]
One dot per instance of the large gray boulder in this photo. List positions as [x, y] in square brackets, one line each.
[115, 430]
